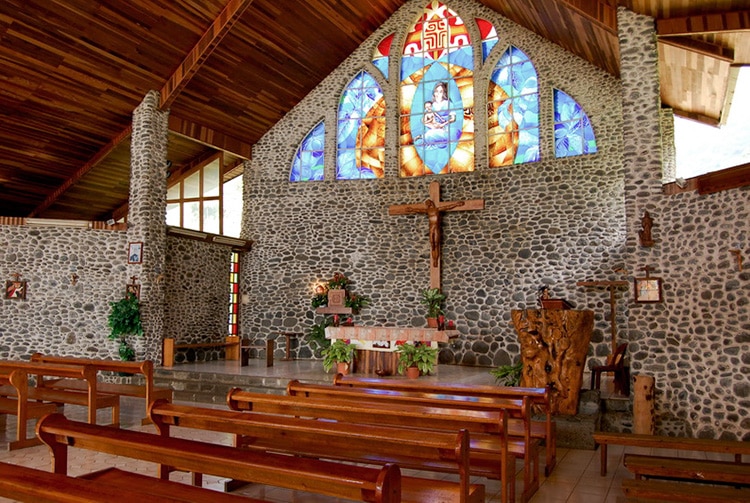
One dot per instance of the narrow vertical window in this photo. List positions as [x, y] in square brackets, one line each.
[437, 95]
[513, 111]
[382, 55]
[308, 160]
[573, 132]
[361, 130]
[489, 37]
[234, 293]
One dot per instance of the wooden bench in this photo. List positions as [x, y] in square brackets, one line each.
[489, 451]
[519, 426]
[660, 491]
[21, 407]
[31, 485]
[545, 431]
[231, 343]
[147, 391]
[368, 444]
[90, 398]
[603, 439]
[696, 470]
[339, 480]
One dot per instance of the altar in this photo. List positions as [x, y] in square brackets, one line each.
[376, 346]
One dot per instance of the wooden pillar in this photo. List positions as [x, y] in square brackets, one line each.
[644, 421]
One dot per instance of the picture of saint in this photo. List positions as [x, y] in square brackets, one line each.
[15, 290]
[439, 130]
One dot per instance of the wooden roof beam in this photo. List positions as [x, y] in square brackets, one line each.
[700, 24]
[703, 48]
[96, 159]
[202, 50]
[209, 137]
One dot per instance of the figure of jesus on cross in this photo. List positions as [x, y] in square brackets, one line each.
[434, 210]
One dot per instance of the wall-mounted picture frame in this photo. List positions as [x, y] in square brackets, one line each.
[648, 290]
[15, 290]
[135, 253]
[134, 289]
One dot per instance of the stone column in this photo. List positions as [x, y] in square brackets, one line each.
[147, 218]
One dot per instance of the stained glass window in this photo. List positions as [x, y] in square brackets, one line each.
[437, 95]
[573, 132]
[513, 111]
[382, 54]
[308, 160]
[361, 130]
[234, 293]
[489, 37]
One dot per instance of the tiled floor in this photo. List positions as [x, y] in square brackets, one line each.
[575, 479]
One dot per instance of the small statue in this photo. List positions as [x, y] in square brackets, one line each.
[542, 294]
[645, 234]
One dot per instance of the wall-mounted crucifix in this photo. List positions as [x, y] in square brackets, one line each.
[434, 209]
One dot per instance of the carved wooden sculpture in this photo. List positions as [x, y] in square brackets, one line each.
[554, 345]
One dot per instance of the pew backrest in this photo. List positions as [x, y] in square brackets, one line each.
[323, 477]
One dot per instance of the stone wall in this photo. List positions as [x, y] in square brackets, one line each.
[58, 317]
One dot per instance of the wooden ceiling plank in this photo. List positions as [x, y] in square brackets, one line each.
[82, 171]
[206, 136]
[202, 50]
[704, 23]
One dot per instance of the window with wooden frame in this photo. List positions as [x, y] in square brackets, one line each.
[194, 200]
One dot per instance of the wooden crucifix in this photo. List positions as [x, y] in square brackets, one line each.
[434, 209]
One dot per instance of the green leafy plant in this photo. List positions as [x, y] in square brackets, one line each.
[317, 332]
[433, 298]
[125, 320]
[508, 375]
[340, 351]
[417, 355]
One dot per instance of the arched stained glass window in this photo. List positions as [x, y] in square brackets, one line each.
[489, 37]
[382, 55]
[308, 160]
[361, 130]
[437, 95]
[513, 111]
[573, 132]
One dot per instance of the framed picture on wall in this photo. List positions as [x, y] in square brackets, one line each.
[648, 289]
[15, 290]
[135, 253]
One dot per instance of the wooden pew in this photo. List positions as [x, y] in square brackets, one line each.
[232, 344]
[147, 391]
[518, 439]
[603, 439]
[660, 491]
[31, 485]
[368, 444]
[327, 478]
[695, 470]
[90, 397]
[21, 407]
[488, 452]
[545, 431]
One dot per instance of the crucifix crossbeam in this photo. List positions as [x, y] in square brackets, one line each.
[434, 209]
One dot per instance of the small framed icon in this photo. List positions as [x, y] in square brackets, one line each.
[648, 290]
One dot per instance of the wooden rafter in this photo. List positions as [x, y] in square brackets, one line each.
[209, 137]
[202, 50]
[98, 157]
[704, 48]
[704, 23]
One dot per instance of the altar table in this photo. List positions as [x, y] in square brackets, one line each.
[376, 346]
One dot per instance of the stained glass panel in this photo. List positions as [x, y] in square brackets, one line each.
[513, 110]
[573, 132]
[361, 130]
[437, 116]
[308, 160]
[382, 55]
[489, 37]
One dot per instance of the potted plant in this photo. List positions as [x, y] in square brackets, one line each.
[125, 320]
[418, 356]
[432, 298]
[508, 375]
[341, 353]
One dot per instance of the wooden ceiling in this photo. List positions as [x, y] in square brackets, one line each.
[72, 71]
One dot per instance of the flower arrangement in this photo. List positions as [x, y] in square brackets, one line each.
[419, 354]
[338, 282]
[340, 351]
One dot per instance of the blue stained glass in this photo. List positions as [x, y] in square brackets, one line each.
[573, 132]
[528, 146]
[487, 46]
[463, 57]
[308, 163]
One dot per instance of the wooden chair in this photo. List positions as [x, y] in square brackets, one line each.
[616, 365]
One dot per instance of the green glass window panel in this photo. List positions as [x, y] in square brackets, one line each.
[191, 212]
[211, 217]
